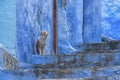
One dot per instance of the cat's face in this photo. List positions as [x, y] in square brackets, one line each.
[43, 34]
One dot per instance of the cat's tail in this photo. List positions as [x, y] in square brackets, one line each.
[37, 45]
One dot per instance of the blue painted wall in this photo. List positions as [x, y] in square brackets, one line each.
[92, 21]
[8, 24]
[71, 30]
[111, 18]
[69, 24]
[28, 28]
[78, 23]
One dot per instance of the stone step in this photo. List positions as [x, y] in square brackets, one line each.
[7, 61]
[83, 73]
[111, 45]
[114, 77]
[77, 60]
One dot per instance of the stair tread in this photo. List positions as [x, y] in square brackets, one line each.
[114, 77]
[112, 45]
[95, 58]
[79, 53]
[86, 73]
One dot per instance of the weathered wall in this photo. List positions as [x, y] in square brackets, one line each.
[8, 24]
[69, 25]
[111, 18]
[70, 28]
[28, 27]
[79, 22]
[92, 21]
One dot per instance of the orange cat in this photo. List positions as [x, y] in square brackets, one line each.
[41, 42]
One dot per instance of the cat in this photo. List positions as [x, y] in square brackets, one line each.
[41, 42]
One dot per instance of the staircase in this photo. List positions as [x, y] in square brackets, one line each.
[98, 61]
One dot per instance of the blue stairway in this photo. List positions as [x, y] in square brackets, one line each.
[98, 61]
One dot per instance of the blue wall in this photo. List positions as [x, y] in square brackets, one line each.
[78, 23]
[8, 24]
[92, 21]
[71, 30]
[111, 18]
[69, 24]
[28, 28]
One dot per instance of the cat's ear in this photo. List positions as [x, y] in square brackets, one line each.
[41, 33]
[46, 33]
